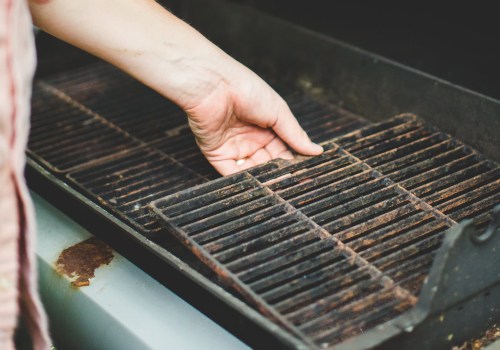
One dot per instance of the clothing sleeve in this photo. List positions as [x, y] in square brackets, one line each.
[18, 282]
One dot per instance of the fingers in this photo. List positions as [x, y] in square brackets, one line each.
[231, 166]
[260, 156]
[266, 108]
[277, 149]
[226, 167]
[274, 149]
[289, 130]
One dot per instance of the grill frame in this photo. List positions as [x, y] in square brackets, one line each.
[401, 88]
[186, 281]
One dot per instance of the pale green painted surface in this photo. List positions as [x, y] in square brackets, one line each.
[123, 308]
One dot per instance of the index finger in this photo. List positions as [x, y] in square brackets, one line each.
[289, 130]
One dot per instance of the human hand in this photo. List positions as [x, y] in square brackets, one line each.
[243, 122]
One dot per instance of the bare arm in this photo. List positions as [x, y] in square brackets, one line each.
[233, 113]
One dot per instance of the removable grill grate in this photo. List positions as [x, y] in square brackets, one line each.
[334, 245]
[121, 100]
[130, 182]
[124, 145]
[431, 165]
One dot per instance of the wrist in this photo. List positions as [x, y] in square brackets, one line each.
[183, 71]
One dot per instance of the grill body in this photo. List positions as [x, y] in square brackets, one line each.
[365, 220]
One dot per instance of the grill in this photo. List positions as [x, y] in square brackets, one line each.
[334, 245]
[366, 245]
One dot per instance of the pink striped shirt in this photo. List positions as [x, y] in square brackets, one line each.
[18, 284]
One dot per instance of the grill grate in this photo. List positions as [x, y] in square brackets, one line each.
[333, 245]
[64, 137]
[124, 145]
[128, 183]
[433, 166]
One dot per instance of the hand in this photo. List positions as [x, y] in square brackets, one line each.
[242, 122]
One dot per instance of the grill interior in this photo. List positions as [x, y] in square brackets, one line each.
[327, 247]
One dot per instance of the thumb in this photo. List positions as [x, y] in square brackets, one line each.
[289, 130]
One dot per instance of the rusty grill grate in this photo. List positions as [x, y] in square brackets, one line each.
[128, 183]
[432, 166]
[64, 136]
[333, 245]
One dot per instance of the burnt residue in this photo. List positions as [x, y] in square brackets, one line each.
[82, 259]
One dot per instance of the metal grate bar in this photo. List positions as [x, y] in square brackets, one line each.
[63, 96]
[441, 168]
[292, 251]
[488, 178]
[418, 202]
[311, 319]
[291, 280]
[258, 237]
[324, 234]
[322, 280]
[340, 325]
[386, 224]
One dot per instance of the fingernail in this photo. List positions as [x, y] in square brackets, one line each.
[317, 148]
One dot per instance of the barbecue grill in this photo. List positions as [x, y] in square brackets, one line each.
[387, 239]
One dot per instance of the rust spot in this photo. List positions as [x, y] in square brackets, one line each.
[367, 242]
[82, 259]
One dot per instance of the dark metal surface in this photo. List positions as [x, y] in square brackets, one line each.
[332, 246]
[64, 136]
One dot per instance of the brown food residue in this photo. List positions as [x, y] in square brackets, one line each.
[490, 336]
[82, 259]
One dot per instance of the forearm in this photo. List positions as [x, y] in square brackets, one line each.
[143, 39]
